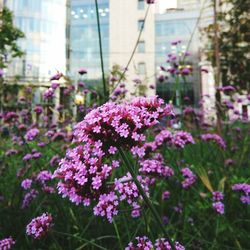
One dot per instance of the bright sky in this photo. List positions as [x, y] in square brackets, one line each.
[165, 4]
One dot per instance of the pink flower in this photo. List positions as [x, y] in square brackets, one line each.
[39, 226]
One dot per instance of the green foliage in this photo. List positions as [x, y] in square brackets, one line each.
[197, 226]
[9, 35]
[234, 43]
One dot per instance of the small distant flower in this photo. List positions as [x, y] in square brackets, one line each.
[176, 42]
[214, 137]
[143, 243]
[186, 72]
[163, 244]
[190, 178]
[29, 197]
[56, 77]
[38, 109]
[161, 78]
[6, 243]
[31, 134]
[150, 1]
[245, 188]
[39, 226]
[27, 157]
[54, 160]
[26, 184]
[55, 85]
[48, 93]
[82, 71]
[165, 195]
[44, 176]
[11, 152]
[229, 162]
[218, 207]
[217, 196]
[81, 84]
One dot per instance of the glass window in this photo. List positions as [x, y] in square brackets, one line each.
[141, 5]
[142, 68]
[141, 47]
[140, 24]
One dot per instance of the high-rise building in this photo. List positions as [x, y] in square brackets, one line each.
[120, 23]
[43, 23]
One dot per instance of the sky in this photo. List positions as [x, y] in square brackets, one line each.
[165, 4]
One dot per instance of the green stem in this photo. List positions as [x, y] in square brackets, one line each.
[144, 196]
[101, 53]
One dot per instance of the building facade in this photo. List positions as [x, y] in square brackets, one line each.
[171, 26]
[44, 42]
[84, 50]
[119, 32]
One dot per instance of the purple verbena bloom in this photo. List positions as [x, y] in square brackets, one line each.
[56, 77]
[217, 196]
[29, 197]
[38, 109]
[143, 243]
[107, 206]
[44, 176]
[7, 243]
[26, 184]
[190, 178]
[214, 137]
[218, 207]
[39, 226]
[82, 71]
[31, 134]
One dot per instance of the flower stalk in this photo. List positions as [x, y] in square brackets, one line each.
[143, 194]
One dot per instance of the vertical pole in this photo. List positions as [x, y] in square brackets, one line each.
[101, 53]
[217, 67]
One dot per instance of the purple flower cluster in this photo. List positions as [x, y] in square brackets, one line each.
[218, 206]
[144, 243]
[26, 184]
[39, 226]
[214, 137]
[48, 93]
[11, 152]
[28, 197]
[217, 196]
[190, 178]
[155, 168]
[178, 139]
[44, 176]
[245, 188]
[34, 155]
[84, 172]
[31, 134]
[38, 109]
[128, 191]
[107, 206]
[6, 243]
[163, 244]
[41, 179]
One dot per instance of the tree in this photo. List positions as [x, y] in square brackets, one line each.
[9, 35]
[234, 43]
